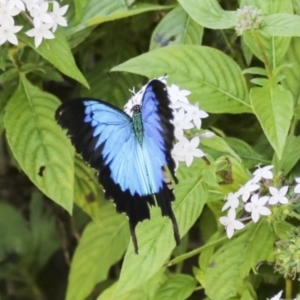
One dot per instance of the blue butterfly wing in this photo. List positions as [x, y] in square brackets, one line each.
[103, 135]
[157, 119]
[130, 173]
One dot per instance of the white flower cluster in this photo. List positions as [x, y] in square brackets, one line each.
[278, 296]
[186, 117]
[253, 198]
[37, 12]
[248, 18]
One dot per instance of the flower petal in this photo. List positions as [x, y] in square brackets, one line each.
[238, 225]
[264, 211]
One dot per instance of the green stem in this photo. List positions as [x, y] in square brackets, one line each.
[187, 255]
[183, 249]
[192, 253]
[228, 44]
[288, 288]
[262, 52]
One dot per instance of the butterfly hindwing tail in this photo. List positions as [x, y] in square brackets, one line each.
[134, 206]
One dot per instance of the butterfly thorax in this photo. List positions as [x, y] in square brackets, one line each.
[137, 123]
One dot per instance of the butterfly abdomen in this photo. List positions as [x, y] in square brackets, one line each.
[137, 123]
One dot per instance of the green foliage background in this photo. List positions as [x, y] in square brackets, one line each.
[59, 238]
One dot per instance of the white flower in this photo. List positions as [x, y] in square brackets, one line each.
[278, 196]
[7, 33]
[7, 14]
[181, 122]
[257, 207]
[16, 3]
[231, 223]
[57, 15]
[32, 4]
[185, 150]
[41, 15]
[178, 97]
[277, 296]
[195, 115]
[246, 190]
[176, 159]
[263, 173]
[40, 33]
[297, 187]
[232, 201]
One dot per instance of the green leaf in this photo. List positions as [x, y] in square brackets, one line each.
[292, 74]
[79, 5]
[255, 70]
[249, 156]
[119, 13]
[248, 55]
[260, 81]
[208, 223]
[213, 78]
[48, 72]
[209, 176]
[155, 236]
[145, 291]
[255, 251]
[290, 155]
[38, 144]
[87, 192]
[3, 56]
[209, 13]
[274, 47]
[136, 294]
[273, 106]
[226, 261]
[176, 287]
[97, 12]
[45, 238]
[281, 25]
[219, 144]
[205, 257]
[247, 291]
[235, 259]
[14, 232]
[176, 28]
[101, 246]
[81, 36]
[5, 95]
[234, 174]
[113, 88]
[58, 53]
[282, 229]
[9, 75]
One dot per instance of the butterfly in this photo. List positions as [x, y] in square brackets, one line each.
[130, 153]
